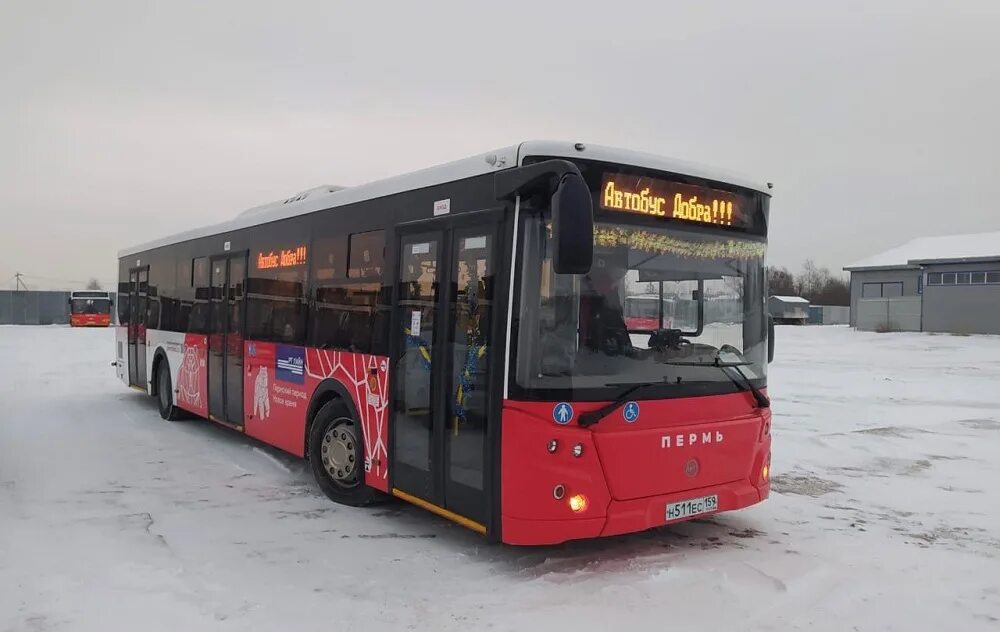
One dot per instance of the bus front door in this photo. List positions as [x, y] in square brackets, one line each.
[440, 361]
[225, 339]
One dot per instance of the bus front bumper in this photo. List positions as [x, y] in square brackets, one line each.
[629, 516]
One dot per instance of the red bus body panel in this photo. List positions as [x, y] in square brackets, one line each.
[627, 471]
[192, 375]
[90, 320]
[675, 450]
[276, 399]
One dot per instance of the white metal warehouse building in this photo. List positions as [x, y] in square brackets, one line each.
[939, 284]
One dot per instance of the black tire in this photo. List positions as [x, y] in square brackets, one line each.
[164, 389]
[336, 454]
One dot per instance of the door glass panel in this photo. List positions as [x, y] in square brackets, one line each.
[140, 332]
[472, 302]
[418, 295]
[133, 324]
[216, 341]
[234, 341]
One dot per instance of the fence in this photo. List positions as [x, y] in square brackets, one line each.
[889, 314]
[34, 308]
[829, 315]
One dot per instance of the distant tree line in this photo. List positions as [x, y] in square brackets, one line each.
[814, 283]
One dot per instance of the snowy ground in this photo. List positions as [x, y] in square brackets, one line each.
[885, 514]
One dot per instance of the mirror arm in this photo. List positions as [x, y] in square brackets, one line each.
[542, 176]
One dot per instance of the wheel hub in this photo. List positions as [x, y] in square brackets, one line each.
[338, 452]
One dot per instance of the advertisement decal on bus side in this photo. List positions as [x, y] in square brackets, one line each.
[280, 381]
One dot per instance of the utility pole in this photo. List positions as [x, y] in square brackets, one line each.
[18, 283]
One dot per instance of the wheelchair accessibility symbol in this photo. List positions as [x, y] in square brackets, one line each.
[630, 411]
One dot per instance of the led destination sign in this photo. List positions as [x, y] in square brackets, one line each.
[282, 258]
[662, 198]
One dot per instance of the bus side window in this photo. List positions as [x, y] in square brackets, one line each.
[198, 320]
[367, 251]
[123, 303]
[275, 295]
[345, 313]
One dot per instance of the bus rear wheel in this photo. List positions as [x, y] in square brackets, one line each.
[164, 388]
[337, 456]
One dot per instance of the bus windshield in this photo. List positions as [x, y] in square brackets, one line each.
[660, 304]
[90, 306]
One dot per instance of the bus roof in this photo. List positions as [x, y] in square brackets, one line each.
[330, 196]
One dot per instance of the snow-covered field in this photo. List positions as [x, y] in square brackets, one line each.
[885, 514]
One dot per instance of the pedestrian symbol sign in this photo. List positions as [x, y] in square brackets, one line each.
[562, 413]
[630, 411]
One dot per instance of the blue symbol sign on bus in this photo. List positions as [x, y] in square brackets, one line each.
[630, 411]
[562, 413]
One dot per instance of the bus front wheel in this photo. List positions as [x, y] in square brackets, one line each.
[337, 456]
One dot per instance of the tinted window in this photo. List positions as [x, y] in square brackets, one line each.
[993, 277]
[123, 303]
[329, 257]
[366, 254]
[933, 278]
[185, 274]
[162, 305]
[948, 278]
[345, 317]
[199, 318]
[979, 277]
[963, 278]
[276, 300]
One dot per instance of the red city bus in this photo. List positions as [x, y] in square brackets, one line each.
[455, 337]
[90, 308]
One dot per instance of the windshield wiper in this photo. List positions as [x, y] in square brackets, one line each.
[744, 385]
[592, 417]
[761, 399]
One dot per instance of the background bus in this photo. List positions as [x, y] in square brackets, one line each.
[90, 308]
[455, 337]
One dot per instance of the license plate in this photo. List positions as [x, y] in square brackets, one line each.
[692, 507]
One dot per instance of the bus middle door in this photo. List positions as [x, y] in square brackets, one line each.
[225, 339]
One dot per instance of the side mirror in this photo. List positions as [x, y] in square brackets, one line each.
[572, 226]
[770, 338]
[571, 204]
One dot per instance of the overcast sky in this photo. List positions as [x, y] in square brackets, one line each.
[877, 121]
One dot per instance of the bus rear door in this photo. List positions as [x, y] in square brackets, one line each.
[441, 356]
[138, 288]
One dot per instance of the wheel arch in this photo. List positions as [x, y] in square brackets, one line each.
[328, 390]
